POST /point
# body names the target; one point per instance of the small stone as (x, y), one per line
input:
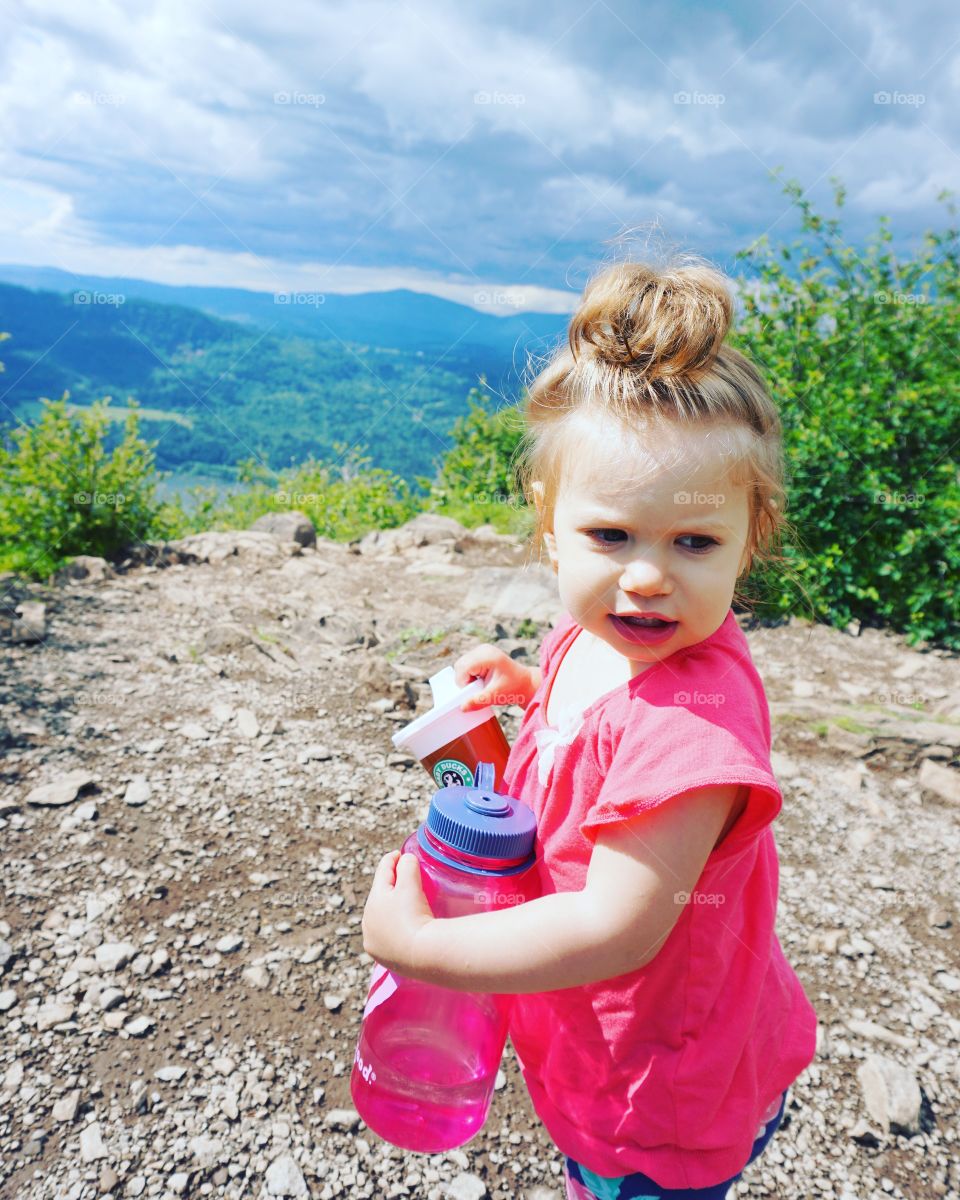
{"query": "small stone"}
(108, 1179)
(247, 723)
(169, 1074)
(60, 791)
(284, 1178)
(140, 1026)
(941, 781)
(136, 1186)
(113, 956)
(51, 1015)
(949, 983)
(314, 753)
(229, 943)
(333, 1003)
(179, 1183)
(224, 1065)
(139, 791)
(890, 1093)
(466, 1187)
(111, 997)
(8, 999)
(939, 918)
(311, 955)
(6, 954)
(229, 1107)
(206, 1150)
(65, 1110)
(194, 732)
(256, 977)
(342, 1118)
(91, 1144)
(501, 1081)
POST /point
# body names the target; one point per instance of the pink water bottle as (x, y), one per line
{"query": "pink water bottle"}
(427, 1057)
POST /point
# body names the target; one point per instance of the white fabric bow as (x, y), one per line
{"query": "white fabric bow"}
(549, 739)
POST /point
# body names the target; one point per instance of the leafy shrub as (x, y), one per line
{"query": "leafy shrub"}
(476, 484)
(344, 499)
(861, 353)
(63, 493)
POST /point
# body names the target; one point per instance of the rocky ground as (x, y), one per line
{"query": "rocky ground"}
(199, 779)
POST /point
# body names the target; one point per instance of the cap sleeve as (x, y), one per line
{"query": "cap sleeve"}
(664, 752)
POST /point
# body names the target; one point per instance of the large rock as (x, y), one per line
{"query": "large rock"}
(942, 781)
(63, 790)
(891, 1094)
(426, 529)
(515, 592)
(217, 546)
(87, 567)
(284, 1178)
(287, 527)
(32, 623)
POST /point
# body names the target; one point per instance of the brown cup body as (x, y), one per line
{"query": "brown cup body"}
(456, 761)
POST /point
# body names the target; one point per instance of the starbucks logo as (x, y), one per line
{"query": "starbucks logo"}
(450, 772)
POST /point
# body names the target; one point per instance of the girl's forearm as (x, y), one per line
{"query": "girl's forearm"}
(555, 941)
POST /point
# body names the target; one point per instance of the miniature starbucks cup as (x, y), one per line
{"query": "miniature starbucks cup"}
(449, 743)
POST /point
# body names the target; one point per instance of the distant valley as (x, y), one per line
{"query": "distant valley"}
(223, 375)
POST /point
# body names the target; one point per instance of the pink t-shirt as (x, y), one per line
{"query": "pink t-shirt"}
(672, 1068)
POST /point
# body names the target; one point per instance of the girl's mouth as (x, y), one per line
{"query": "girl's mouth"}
(643, 631)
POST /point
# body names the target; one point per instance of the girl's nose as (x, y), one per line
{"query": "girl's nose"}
(644, 575)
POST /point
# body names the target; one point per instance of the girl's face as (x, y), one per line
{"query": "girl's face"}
(649, 526)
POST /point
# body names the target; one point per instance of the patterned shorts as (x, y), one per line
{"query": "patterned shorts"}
(583, 1184)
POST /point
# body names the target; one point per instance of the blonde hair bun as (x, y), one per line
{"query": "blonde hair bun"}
(659, 323)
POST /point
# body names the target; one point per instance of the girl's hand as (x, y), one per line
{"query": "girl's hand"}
(505, 680)
(396, 910)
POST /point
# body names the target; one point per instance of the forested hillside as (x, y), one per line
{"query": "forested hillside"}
(216, 392)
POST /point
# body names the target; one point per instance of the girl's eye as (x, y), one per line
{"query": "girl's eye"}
(700, 537)
(599, 535)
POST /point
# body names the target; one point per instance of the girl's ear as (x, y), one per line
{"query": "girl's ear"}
(548, 539)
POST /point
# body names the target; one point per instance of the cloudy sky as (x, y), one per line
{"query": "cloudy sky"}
(489, 152)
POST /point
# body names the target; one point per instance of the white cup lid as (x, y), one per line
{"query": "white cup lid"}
(445, 720)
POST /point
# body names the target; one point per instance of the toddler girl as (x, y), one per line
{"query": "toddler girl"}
(656, 1021)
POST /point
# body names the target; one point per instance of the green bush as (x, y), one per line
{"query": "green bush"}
(861, 354)
(344, 499)
(476, 484)
(62, 493)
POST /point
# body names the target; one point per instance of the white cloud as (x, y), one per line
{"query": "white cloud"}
(151, 134)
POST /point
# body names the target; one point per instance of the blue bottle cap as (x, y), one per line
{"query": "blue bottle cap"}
(482, 822)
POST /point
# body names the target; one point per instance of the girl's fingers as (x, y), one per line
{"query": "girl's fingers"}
(386, 865)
